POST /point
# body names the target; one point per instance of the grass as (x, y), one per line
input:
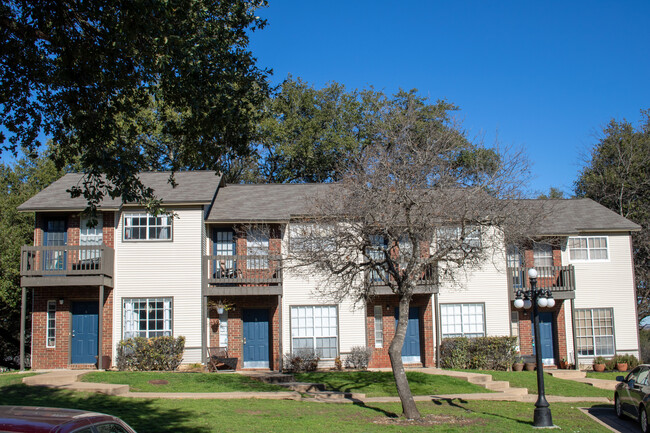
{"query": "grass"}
(139, 381)
(10, 378)
(206, 416)
(552, 385)
(382, 384)
(608, 375)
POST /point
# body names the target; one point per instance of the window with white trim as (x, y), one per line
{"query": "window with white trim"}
(315, 328)
(453, 237)
(377, 253)
(595, 331)
(147, 317)
(51, 324)
(543, 259)
(379, 327)
(462, 320)
(588, 248)
(304, 237)
(141, 226)
(223, 329)
(257, 246)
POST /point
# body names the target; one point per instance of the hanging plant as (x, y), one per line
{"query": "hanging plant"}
(220, 306)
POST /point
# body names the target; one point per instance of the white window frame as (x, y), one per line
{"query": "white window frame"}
(162, 222)
(450, 237)
(223, 329)
(379, 326)
(305, 237)
(50, 333)
(589, 250)
(591, 327)
(304, 326)
(465, 320)
(131, 317)
(257, 244)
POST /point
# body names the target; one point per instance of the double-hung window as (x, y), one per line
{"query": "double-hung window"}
(315, 327)
(595, 331)
(257, 248)
(147, 317)
(462, 320)
(458, 238)
(543, 259)
(312, 237)
(588, 248)
(379, 326)
(142, 226)
(51, 324)
(376, 252)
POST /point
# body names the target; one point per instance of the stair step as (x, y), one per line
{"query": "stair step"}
(303, 386)
(273, 378)
(497, 385)
(336, 395)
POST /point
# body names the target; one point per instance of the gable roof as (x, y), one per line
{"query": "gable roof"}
(193, 187)
(263, 202)
(578, 216)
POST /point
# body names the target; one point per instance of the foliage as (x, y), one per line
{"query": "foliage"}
(358, 358)
(124, 86)
(553, 194)
(17, 184)
(617, 175)
(644, 343)
(418, 179)
(300, 361)
(481, 353)
(147, 354)
(600, 360)
(629, 359)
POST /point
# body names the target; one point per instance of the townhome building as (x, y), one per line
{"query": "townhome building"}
(135, 274)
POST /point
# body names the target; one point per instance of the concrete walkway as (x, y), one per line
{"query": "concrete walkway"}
(69, 380)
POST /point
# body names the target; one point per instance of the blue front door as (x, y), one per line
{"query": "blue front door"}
(411, 348)
(256, 338)
(85, 320)
(546, 334)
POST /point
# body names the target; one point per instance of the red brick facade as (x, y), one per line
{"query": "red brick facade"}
(236, 326)
(380, 357)
(42, 356)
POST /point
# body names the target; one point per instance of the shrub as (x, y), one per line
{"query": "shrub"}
(482, 353)
(600, 360)
(149, 354)
(358, 358)
(631, 360)
(301, 361)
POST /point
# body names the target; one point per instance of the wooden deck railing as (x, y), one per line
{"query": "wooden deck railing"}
(234, 270)
(66, 261)
(560, 279)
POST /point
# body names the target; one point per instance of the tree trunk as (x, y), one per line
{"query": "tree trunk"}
(395, 354)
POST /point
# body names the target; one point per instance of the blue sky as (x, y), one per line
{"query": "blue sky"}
(545, 76)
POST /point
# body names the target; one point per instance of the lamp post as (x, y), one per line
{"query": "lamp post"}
(543, 298)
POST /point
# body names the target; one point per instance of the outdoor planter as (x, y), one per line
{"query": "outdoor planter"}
(599, 367)
(518, 366)
(564, 365)
(530, 366)
(621, 366)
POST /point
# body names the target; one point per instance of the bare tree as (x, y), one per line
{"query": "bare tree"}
(418, 205)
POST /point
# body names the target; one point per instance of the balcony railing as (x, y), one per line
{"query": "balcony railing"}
(73, 261)
(243, 270)
(427, 283)
(560, 279)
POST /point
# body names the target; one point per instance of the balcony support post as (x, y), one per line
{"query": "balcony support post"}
(576, 366)
(23, 307)
(100, 333)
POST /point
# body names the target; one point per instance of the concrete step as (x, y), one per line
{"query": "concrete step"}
(303, 386)
(567, 374)
(599, 383)
(496, 385)
(55, 378)
(516, 391)
(336, 395)
(274, 378)
(100, 388)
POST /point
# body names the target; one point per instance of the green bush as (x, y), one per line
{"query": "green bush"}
(481, 353)
(358, 358)
(301, 361)
(150, 354)
(631, 360)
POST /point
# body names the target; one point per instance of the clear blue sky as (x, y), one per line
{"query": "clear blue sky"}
(545, 76)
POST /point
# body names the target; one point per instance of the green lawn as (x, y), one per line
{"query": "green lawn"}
(280, 416)
(552, 385)
(181, 382)
(608, 375)
(7, 379)
(381, 384)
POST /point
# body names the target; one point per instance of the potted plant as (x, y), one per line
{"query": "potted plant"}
(599, 364)
(621, 363)
(564, 364)
(518, 365)
(530, 366)
(220, 306)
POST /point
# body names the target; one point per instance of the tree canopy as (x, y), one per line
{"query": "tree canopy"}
(617, 175)
(86, 74)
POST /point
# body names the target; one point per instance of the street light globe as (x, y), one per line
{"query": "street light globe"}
(527, 304)
(519, 303)
(550, 303)
(532, 273)
(542, 302)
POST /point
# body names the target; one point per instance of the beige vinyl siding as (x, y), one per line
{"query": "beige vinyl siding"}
(609, 284)
(300, 289)
(164, 269)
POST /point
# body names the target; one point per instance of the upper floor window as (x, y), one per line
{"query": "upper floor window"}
(142, 226)
(257, 248)
(311, 237)
(588, 248)
(543, 255)
(453, 237)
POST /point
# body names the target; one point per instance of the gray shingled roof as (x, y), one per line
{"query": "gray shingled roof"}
(574, 216)
(193, 187)
(267, 202)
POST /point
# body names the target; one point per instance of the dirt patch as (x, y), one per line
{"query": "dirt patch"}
(158, 382)
(428, 420)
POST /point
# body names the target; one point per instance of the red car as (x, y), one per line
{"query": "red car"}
(26, 419)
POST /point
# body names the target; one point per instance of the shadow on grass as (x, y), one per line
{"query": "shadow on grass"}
(143, 415)
(384, 412)
(363, 381)
(452, 403)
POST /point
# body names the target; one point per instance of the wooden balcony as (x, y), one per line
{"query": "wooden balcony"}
(238, 275)
(426, 284)
(560, 279)
(69, 265)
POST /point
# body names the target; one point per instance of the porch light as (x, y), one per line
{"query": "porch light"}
(543, 298)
